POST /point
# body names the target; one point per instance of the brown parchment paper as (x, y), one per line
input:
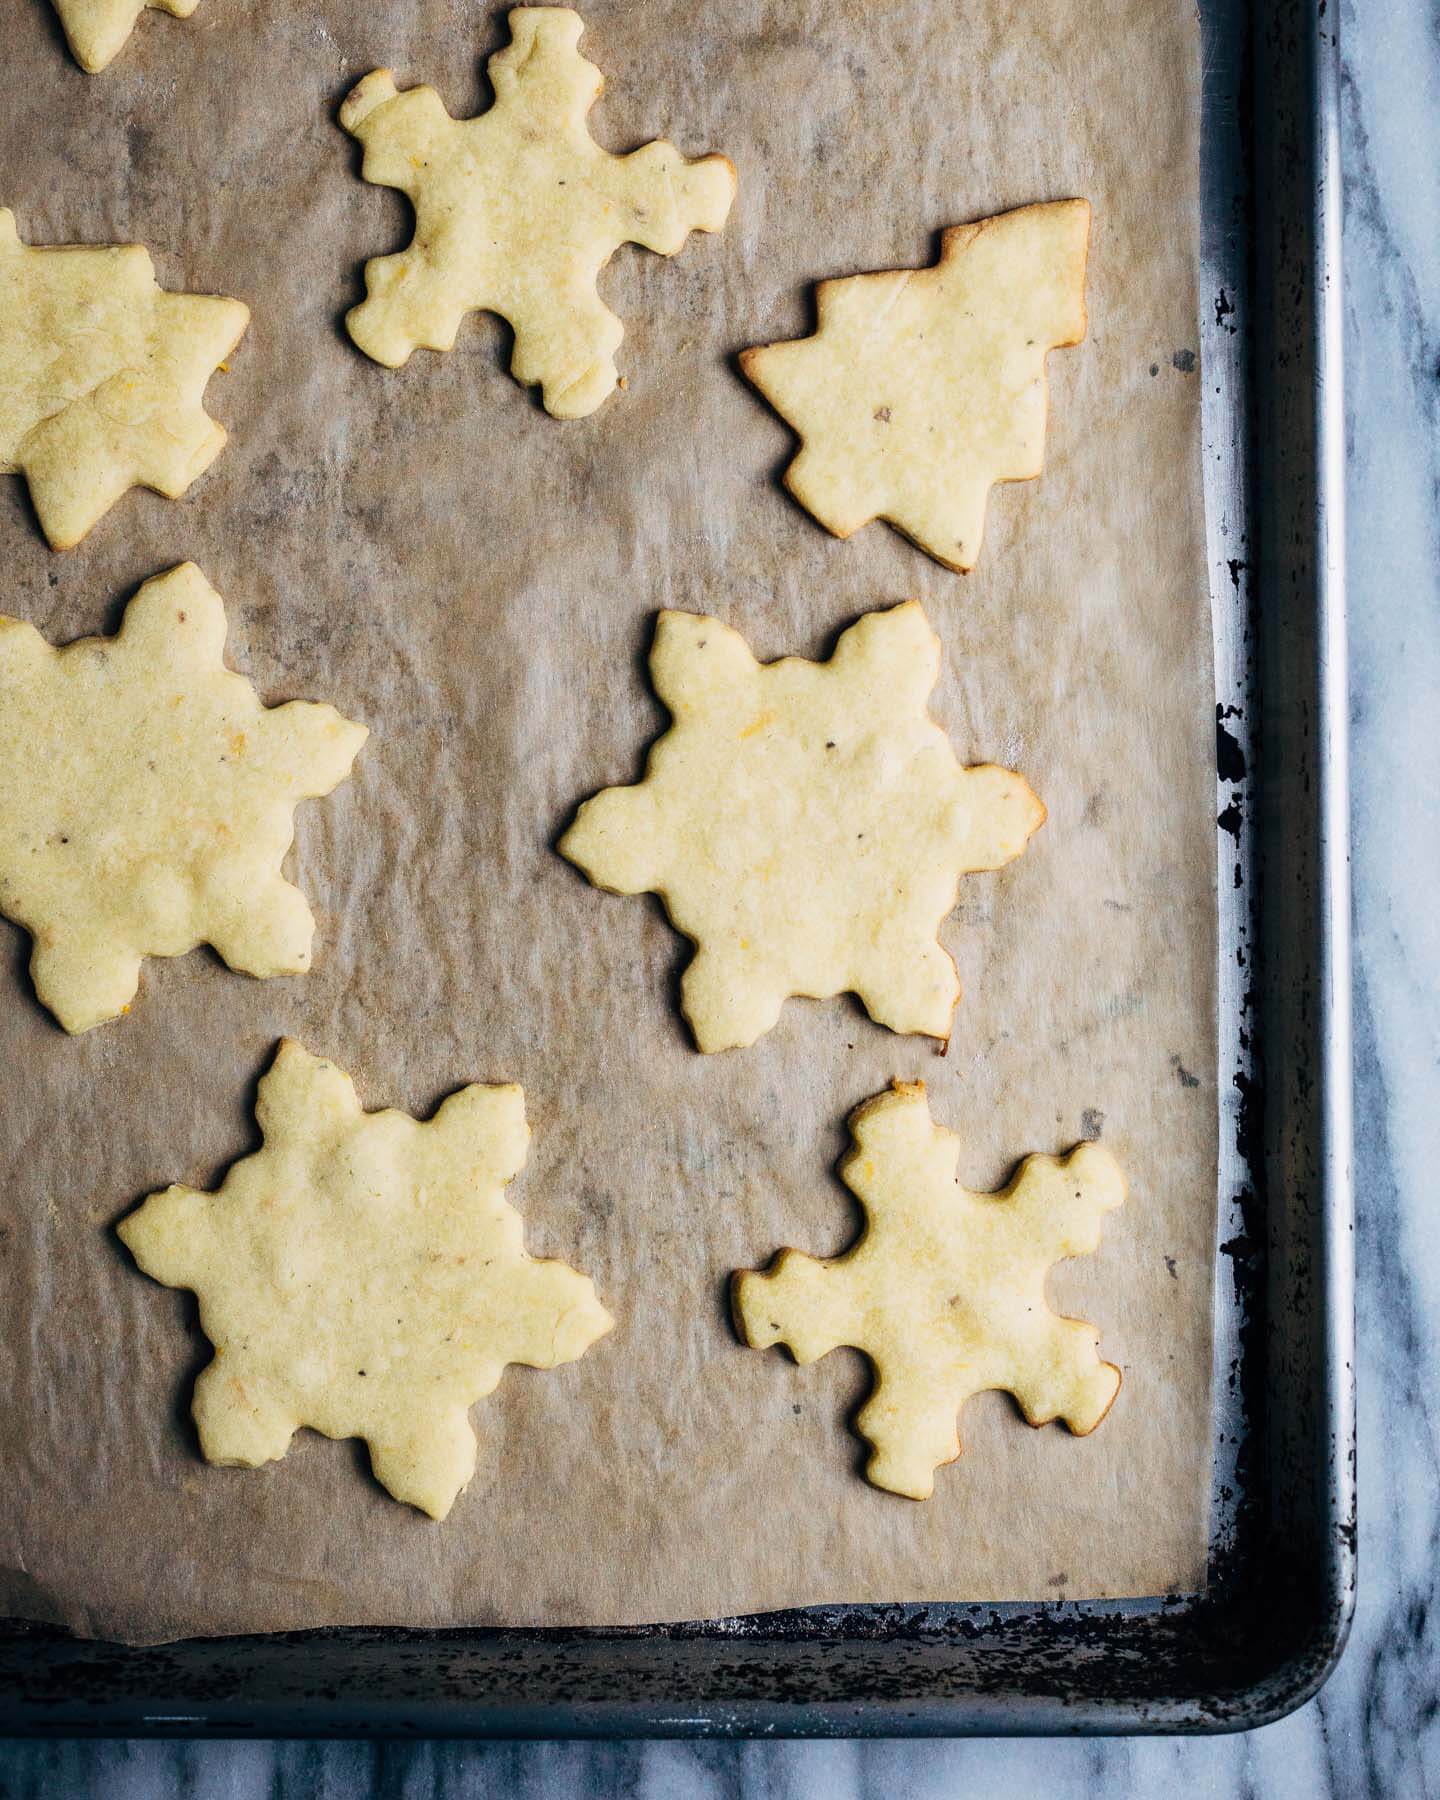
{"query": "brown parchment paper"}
(430, 552)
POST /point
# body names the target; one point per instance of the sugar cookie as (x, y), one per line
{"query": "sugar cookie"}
(806, 825)
(102, 378)
(147, 800)
(923, 387)
(363, 1274)
(517, 212)
(945, 1290)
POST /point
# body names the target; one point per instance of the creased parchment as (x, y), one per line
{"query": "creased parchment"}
(476, 581)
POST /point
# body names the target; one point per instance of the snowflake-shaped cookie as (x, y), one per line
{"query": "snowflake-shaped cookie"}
(102, 378)
(518, 210)
(923, 387)
(945, 1290)
(363, 1274)
(147, 800)
(806, 825)
(97, 29)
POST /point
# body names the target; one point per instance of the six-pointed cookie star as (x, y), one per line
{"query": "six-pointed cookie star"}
(102, 378)
(945, 1290)
(147, 800)
(923, 387)
(97, 29)
(363, 1274)
(806, 825)
(518, 210)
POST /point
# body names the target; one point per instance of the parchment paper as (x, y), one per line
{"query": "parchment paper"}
(433, 554)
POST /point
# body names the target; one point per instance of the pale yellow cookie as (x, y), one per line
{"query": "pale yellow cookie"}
(363, 1274)
(97, 29)
(923, 387)
(102, 378)
(945, 1289)
(147, 800)
(806, 825)
(518, 210)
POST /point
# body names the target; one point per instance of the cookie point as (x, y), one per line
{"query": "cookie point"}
(371, 91)
(1095, 1165)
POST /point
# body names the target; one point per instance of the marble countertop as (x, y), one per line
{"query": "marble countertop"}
(1375, 1729)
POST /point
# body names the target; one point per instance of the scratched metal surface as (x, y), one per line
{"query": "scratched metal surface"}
(1282, 1558)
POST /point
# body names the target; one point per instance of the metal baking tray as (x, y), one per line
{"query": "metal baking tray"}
(1282, 1562)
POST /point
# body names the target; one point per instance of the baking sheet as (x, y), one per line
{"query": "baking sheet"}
(429, 551)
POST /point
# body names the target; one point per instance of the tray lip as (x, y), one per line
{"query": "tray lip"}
(1270, 1695)
(1276, 1690)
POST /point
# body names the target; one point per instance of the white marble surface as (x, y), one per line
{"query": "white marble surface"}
(1376, 1728)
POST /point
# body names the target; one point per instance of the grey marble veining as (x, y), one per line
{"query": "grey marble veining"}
(1376, 1728)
